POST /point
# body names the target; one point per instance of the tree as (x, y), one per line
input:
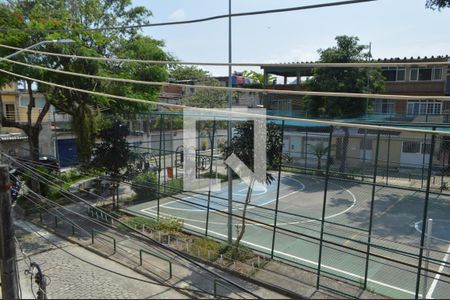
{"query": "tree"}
(242, 145)
(180, 72)
(437, 4)
(319, 150)
(75, 17)
(112, 156)
(352, 80)
(257, 77)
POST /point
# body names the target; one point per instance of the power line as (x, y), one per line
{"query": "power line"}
(109, 270)
(174, 251)
(250, 64)
(217, 17)
(222, 112)
(249, 90)
(288, 231)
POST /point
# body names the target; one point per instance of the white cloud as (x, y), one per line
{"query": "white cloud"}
(178, 15)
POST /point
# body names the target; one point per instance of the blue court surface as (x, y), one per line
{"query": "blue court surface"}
(298, 221)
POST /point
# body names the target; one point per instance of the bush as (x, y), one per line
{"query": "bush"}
(164, 224)
(173, 186)
(243, 252)
(144, 185)
(203, 245)
(27, 205)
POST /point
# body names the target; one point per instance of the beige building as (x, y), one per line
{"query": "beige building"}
(15, 106)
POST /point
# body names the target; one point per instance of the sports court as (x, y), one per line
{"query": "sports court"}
(397, 215)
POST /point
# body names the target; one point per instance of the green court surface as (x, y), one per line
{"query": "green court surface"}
(397, 216)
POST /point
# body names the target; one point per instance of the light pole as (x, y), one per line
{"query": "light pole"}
(60, 41)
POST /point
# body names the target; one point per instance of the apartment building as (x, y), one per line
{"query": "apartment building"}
(406, 150)
(15, 107)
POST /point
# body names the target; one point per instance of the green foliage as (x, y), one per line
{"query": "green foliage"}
(27, 177)
(242, 145)
(242, 254)
(170, 225)
(170, 122)
(172, 187)
(27, 205)
(113, 153)
(438, 4)
(352, 80)
(75, 16)
(144, 185)
(207, 248)
(206, 98)
(180, 72)
(258, 77)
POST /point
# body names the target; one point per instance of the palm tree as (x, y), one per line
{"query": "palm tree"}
(319, 150)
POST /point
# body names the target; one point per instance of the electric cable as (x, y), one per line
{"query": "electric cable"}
(238, 89)
(243, 114)
(365, 64)
(242, 14)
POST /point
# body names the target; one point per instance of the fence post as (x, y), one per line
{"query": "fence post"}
(372, 202)
(278, 192)
(423, 159)
(425, 279)
(306, 150)
(161, 124)
(388, 158)
(210, 177)
(425, 214)
(322, 222)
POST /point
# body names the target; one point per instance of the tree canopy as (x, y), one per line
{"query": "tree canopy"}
(76, 17)
(438, 4)
(356, 80)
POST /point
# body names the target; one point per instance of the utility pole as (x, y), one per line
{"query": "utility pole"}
(7, 244)
(230, 131)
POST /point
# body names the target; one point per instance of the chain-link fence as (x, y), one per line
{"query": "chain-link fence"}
(346, 202)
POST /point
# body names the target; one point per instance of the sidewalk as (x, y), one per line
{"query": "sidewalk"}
(79, 273)
(184, 273)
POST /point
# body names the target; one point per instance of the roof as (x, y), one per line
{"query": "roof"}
(292, 69)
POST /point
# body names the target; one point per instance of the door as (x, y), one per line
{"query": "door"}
(67, 152)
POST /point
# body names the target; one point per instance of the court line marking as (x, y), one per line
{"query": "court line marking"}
(438, 275)
(307, 261)
(146, 210)
(263, 204)
(416, 226)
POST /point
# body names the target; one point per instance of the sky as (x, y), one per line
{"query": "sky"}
(395, 28)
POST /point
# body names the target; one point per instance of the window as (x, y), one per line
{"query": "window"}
(425, 74)
(411, 147)
(10, 111)
(38, 102)
(382, 106)
(414, 74)
(394, 74)
(437, 73)
(424, 108)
